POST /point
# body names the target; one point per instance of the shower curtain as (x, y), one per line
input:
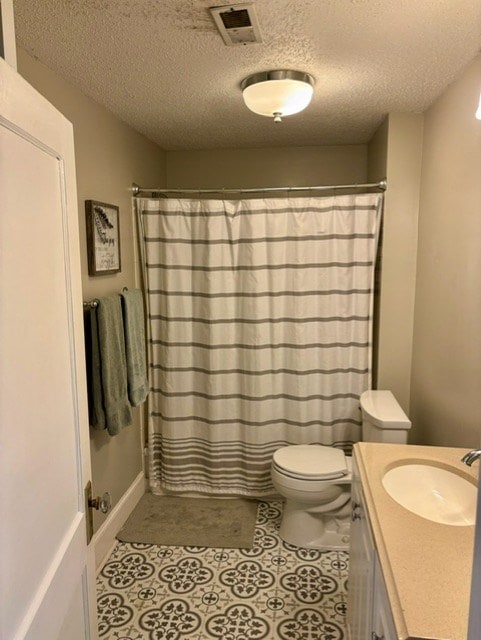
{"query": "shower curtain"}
(260, 316)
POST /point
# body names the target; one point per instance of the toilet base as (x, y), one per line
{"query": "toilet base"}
(304, 527)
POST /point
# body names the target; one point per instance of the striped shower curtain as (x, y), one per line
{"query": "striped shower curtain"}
(260, 318)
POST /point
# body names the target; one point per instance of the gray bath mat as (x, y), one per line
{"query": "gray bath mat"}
(192, 522)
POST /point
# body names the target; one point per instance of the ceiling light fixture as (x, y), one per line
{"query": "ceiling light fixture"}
(277, 93)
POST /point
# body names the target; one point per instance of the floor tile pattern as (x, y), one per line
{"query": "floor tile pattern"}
(274, 590)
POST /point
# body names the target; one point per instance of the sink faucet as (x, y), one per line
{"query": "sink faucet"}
(471, 456)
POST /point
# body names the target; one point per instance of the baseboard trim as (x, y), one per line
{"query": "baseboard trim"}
(104, 539)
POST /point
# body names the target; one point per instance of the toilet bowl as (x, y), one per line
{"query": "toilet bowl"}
(315, 480)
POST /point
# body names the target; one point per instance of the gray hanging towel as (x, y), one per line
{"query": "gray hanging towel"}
(118, 413)
(94, 375)
(134, 326)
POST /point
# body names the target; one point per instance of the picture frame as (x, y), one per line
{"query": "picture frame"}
(103, 238)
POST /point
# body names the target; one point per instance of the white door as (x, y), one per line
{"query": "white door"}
(46, 569)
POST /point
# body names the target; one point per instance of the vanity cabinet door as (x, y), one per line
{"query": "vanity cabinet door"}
(382, 622)
(361, 569)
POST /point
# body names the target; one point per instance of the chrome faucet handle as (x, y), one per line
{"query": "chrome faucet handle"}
(471, 456)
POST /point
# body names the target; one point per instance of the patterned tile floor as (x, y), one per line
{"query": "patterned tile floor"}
(274, 590)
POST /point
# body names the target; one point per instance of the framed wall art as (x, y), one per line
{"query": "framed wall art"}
(103, 238)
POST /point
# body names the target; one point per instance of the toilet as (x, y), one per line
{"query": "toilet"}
(315, 480)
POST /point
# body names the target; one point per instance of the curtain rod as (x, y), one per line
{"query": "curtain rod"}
(382, 185)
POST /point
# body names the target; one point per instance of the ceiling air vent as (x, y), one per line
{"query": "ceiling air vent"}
(237, 24)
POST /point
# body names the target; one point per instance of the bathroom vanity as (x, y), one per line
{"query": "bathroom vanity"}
(369, 611)
(409, 576)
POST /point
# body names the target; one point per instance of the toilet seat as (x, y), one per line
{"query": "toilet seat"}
(310, 462)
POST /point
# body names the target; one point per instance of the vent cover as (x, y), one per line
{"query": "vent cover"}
(237, 24)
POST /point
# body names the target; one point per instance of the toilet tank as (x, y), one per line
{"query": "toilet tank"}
(383, 420)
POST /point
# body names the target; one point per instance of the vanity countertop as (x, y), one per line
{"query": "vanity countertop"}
(426, 565)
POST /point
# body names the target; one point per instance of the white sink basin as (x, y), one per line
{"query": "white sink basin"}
(433, 493)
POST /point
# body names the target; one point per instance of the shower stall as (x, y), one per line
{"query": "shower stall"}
(260, 331)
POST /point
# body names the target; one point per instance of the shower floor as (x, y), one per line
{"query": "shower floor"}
(274, 590)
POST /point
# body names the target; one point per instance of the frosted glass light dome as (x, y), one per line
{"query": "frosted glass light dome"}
(277, 93)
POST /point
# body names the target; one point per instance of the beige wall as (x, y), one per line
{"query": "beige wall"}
(446, 374)
(109, 157)
(377, 171)
(377, 153)
(397, 150)
(283, 166)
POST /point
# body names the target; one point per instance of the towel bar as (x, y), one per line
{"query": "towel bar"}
(91, 304)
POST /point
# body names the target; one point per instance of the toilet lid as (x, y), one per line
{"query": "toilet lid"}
(311, 462)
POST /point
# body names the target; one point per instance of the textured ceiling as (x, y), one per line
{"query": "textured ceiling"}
(163, 68)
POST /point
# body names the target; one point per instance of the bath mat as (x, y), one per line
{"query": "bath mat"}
(192, 522)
